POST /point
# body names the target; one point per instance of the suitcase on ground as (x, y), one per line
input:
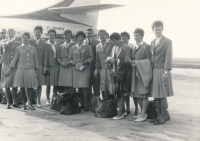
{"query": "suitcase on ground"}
(94, 103)
(70, 104)
(106, 108)
(56, 102)
(151, 110)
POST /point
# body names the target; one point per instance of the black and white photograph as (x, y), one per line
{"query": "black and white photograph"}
(99, 70)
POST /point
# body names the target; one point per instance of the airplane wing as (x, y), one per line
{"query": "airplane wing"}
(83, 9)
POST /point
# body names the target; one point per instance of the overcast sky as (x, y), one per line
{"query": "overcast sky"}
(181, 19)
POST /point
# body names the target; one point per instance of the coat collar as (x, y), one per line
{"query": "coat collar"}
(162, 40)
(25, 47)
(66, 44)
(55, 43)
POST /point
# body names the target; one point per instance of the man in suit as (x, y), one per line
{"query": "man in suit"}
(95, 81)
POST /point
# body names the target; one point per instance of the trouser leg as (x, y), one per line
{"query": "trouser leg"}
(48, 89)
(135, 100)
(158, 106)
(39, 91)
(23, 94)
(29, 95)
(164, 106)
(14, 94)
(86, 98)
(145, 104)
(8, 95)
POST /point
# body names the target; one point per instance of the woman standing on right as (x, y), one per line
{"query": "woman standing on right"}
(161, 85)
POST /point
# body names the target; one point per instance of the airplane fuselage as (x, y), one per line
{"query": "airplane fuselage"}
(22, 25)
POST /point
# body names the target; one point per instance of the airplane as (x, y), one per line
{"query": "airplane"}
(75, 15)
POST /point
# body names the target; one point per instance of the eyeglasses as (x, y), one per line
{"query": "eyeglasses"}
(2, 32)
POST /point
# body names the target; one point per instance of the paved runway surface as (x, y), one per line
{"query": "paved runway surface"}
(47, 125)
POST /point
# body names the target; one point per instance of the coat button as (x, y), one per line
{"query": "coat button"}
(28, 54)
(28, 63)
(28, 59)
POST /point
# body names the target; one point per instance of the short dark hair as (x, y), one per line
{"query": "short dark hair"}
(89, 29)
(139, 31)
(67, 31)
(102, 30)
(115, 36)
(26, 34)
(80, 33)
(157, 24)
(51, 30)
(38, 27)
(125, 34)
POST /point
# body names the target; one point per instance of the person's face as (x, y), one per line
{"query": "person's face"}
(158, 31)
(52, 36)
(67, 36)
(11, 34)
(102, 36)
(114, 41)
(80, 39)
(25, 39)
(38, 34)
(3, 35)
(138, 38)
(89, 34)
(125, 39)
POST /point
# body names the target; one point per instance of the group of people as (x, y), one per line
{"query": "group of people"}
(109, 66)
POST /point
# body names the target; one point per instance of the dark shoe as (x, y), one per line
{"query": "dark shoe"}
(86, 109)
(7, 106)
(31, 107)
(16, 105)
(158, 122)
(152, 121)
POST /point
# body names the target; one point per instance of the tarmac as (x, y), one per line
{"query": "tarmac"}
(45, 124)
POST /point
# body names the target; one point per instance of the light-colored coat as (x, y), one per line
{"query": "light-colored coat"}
(162, 54)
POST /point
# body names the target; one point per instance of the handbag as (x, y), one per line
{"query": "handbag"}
(94, 103)
(70, 104)
(151, 110)
(56, 102)
(106, 108)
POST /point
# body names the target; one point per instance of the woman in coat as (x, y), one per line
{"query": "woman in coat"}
(52, 65)
(103, 51)
(7, 78)
(40, 46)
(161, 85)
(121, 54)
(140, 56)
(65, 72)
(26, 60)
(81, 57)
